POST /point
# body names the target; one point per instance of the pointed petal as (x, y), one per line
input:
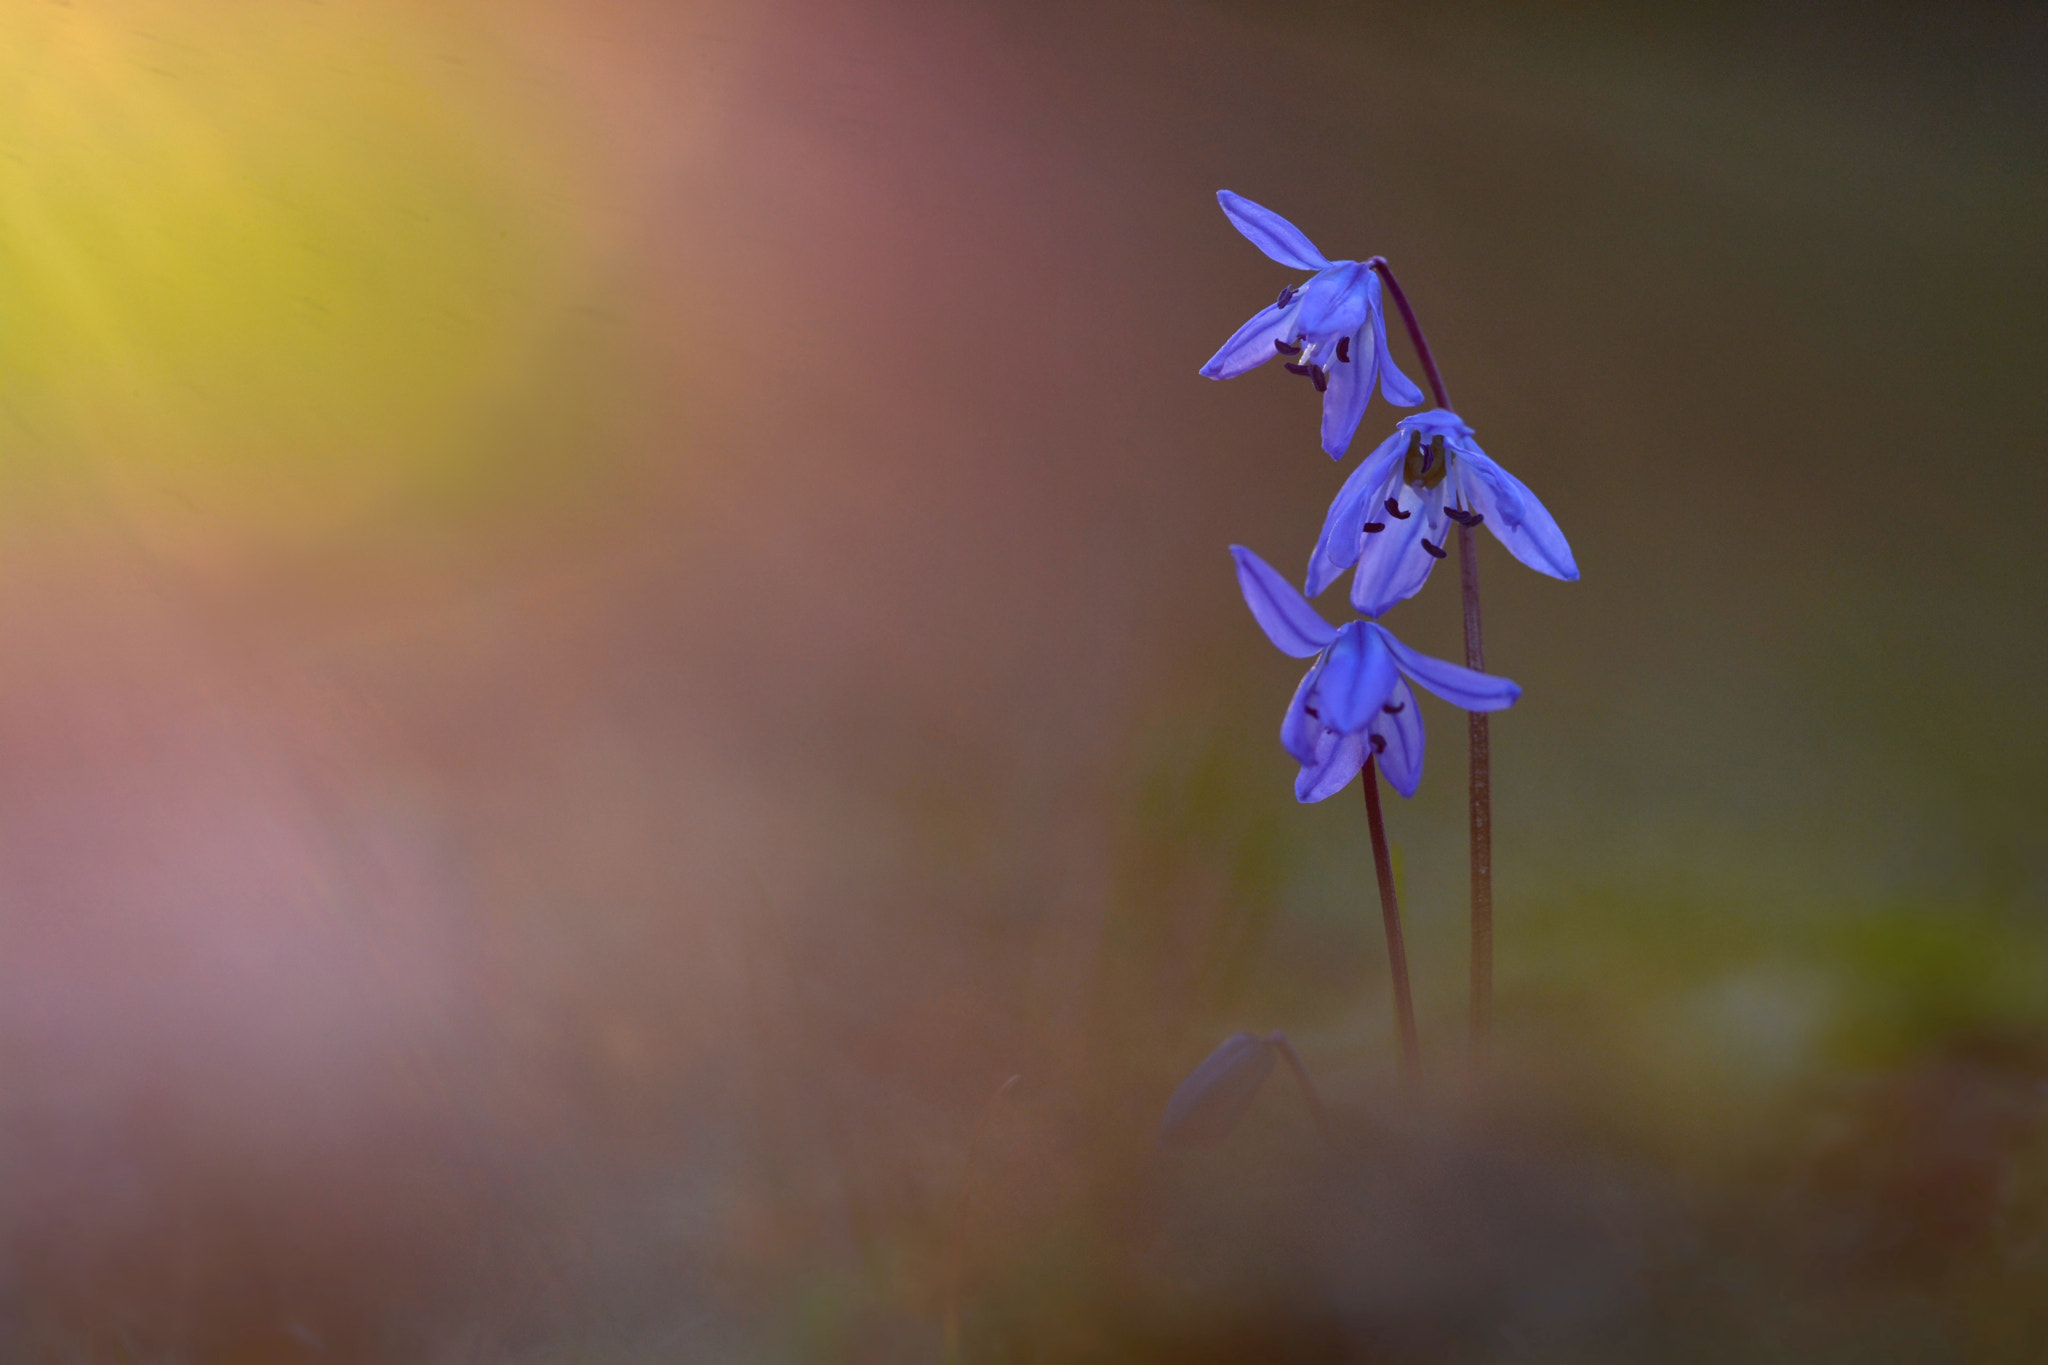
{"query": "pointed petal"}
(1514, 515)
(1395, 387)
(1344, 402)
(1456, 684)
(1337, 548)
(1401, 760)
(1209, 1103)
(1252, 344)
(1323, 569)
(1393, 566)
(1301, 734)
(1335, 303)
(1271, 233)
(1358, 673)
(1336, 765)
(1293, 625)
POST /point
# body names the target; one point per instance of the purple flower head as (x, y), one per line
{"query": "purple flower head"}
(1330, 329)
(1355, 697)
(1391, 516)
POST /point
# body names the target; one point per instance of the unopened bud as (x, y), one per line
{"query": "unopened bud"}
(1209, 1103)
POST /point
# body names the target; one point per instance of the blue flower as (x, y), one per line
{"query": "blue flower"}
(1391, 515)
(1330, 329)
(1354, 698)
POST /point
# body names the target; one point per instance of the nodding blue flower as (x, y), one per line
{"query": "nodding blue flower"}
(1331, 329)
(1391, 516)
(1355, 699)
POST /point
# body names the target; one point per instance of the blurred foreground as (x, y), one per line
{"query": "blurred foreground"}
(614, 613)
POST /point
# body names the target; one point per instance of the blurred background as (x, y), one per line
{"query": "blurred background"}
(612, 613)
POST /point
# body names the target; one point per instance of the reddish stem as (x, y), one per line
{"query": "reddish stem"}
(1429, 371)
(1397, 950)
(1481, 790)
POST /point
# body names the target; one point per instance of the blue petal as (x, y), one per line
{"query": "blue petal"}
(1301, 734)
(1335, 303)
(1293, 625)
(1401, 760)
(1358, 674)
(1336, 765)
(1514, 515)
(1337, 548)
(1271, 233)
(1456, 684)
(1440, 422)
(1397, 388)
(1344, 402)
(1393, 566)
(1252, 344)
(1209, 1103)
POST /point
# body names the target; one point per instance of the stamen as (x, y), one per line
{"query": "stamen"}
(1286, 293)
(1394, 511)
(1464, 518)
(1372, 526)
(1296, 367)
(1379, 743)
(1344, 349)
(1433, 550)
(1284, 349)
(1321, 376)
(1394, 708)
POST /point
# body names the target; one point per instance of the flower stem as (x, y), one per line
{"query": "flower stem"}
(1397, 950)
(1436, 381)
(1482, 804)
(1479, 734)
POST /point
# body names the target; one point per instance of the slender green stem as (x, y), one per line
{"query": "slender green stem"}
(1478, 732)
(1397, 949)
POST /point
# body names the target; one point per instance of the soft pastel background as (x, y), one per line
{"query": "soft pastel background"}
(612, 612)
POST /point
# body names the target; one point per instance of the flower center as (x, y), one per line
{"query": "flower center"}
(1425, 466)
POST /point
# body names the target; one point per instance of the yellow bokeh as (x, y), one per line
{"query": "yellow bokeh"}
(263, 265)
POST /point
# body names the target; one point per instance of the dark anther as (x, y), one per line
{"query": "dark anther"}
(1296, 367)
(1435, 553)
(1311, 713)
(1462, 517)
(1284, 349)
(1371, 526)
(1344, 349)
(1394, 511)
(1394, 708)
(1321, 376)
(1286, 293)
(1379, 743)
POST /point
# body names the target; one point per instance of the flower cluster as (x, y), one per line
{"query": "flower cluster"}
(1389, 522)
(1355, 711)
